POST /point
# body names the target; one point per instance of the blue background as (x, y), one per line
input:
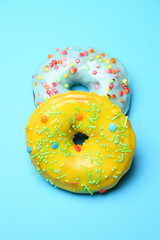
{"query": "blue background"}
(30, 208)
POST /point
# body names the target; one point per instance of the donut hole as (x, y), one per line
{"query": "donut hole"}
(79, 138)
(78, 87)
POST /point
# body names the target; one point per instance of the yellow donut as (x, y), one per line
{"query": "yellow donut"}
(103, 158)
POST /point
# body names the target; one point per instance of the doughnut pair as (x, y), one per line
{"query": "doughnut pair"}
(108, 139)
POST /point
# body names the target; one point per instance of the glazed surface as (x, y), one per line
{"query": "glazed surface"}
(89, 67)
(103, 158)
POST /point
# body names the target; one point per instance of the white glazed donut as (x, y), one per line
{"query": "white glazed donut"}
(89, 67)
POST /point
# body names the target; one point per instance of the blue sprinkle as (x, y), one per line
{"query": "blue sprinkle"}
(112, 127)
(29, 149)
(55, 145)
(106, 176)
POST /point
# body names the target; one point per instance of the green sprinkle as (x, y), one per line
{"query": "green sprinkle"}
(118, 115)
(89, 174)
(59, 110)
(77, 108)
(64, 150)
(63, 176)
(44, 153)
(74, 117)
(68, 118)
(90, 119)
(90, 58)
(64, 134)
(126, 121)
(88, 189)
(91, 127)
(34, 155)
(50, 107)
(55, 171)
(53, 114)
(99, 173)
(125, 135)
(66, 85)
(106, 107)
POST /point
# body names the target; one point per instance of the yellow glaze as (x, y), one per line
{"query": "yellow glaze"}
(103, 158)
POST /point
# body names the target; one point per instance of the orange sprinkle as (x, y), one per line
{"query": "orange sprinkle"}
(47, 87)
(79, 116)
(38, 103)
(103, 54)
(113, 60)
(27, 129)
(46, 66)
(35, 83)
(60, 62)
(57, 49)
(121, 100)
(91, 50)
(113, 71)
(113, 96)
(67, 48)
(49, 55)
(126, 91)
(44, 119)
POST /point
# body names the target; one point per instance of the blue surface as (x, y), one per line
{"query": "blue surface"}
(30, 208)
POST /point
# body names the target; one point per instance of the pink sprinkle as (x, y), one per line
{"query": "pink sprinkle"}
(106, 71)
(52, 88)
(109, 70)
(98, 66)
(44, 84)
(73, 182)
(129, 90)
(115, 75)
(74, 70)
(77, 60)
(96, 86)
(33, 76)
(81, 54)
(69, 69)
(54, 84)
(54, 61)
(56, 67)
(51, 64)
(102, 191)
(117, 70)
(64, 58)
(55, 90)
(86, 53)
(65, 52)
(48, 91)
(56, 93)
(61, 52)
(94, 72)
(111, 85)
(63, 64)
(121, 93)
